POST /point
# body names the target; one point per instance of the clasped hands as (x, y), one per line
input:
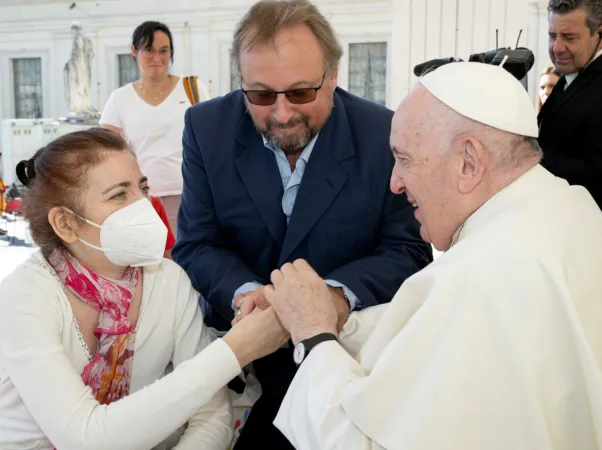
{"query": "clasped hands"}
(298, 304)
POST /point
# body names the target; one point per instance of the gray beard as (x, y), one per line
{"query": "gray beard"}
(290, 144)
(293, 146)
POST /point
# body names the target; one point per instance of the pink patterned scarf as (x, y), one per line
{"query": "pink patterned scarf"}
(109, 372)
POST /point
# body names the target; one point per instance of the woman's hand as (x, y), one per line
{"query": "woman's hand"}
(259, 335)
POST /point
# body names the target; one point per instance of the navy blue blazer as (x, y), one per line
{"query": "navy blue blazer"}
(346, 222)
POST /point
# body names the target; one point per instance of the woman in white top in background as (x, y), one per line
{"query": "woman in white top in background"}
(149, 113)
(90, 324)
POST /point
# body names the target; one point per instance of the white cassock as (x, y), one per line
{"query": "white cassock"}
(497, 345)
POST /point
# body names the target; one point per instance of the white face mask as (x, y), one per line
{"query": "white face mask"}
(132, 236)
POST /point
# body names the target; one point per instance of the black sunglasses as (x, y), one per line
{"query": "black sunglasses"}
(298, 96)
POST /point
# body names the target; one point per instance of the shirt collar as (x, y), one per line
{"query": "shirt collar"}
(571, 76)
(304, 155)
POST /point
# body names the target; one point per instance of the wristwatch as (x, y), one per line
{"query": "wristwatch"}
(303, 348)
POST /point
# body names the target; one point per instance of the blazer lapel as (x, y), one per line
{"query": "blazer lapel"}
(259, 173)
(575, 87)
(582, 81)
(322, 180)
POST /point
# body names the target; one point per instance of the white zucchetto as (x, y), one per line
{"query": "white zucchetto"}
(485, 93)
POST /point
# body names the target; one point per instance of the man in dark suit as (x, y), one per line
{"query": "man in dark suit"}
(290, 167)
(570, 121)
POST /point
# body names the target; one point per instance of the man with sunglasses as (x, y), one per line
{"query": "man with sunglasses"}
(290, 166)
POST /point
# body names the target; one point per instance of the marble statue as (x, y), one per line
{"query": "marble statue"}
(78, 75)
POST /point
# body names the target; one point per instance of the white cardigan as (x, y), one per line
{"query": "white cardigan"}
(44, 403)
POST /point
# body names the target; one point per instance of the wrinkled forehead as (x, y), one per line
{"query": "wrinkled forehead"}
(422, 124)
(413, 113)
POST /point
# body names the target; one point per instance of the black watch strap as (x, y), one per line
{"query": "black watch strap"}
(318, 339)
(310, 343)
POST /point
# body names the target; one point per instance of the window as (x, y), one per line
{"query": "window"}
(368, 71)
(128, 69)
(234, 76)
(27, 78)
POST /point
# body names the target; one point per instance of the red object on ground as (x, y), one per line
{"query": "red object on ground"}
(14, 205)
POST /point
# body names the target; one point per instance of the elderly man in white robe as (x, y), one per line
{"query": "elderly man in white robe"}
(497, 345)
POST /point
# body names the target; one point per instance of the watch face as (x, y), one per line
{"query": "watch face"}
(299, 353)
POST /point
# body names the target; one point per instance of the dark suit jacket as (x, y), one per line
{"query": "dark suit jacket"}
(346, 222)
(570, 130)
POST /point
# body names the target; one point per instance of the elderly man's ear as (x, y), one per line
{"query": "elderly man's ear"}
(474, 158)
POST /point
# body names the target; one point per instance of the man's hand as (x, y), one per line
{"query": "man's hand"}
(247, 302)
(302, 301)
(259, 335)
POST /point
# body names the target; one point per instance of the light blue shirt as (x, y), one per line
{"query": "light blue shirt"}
(291, 180)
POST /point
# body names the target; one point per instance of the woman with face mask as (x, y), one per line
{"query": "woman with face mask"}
(90, 324)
